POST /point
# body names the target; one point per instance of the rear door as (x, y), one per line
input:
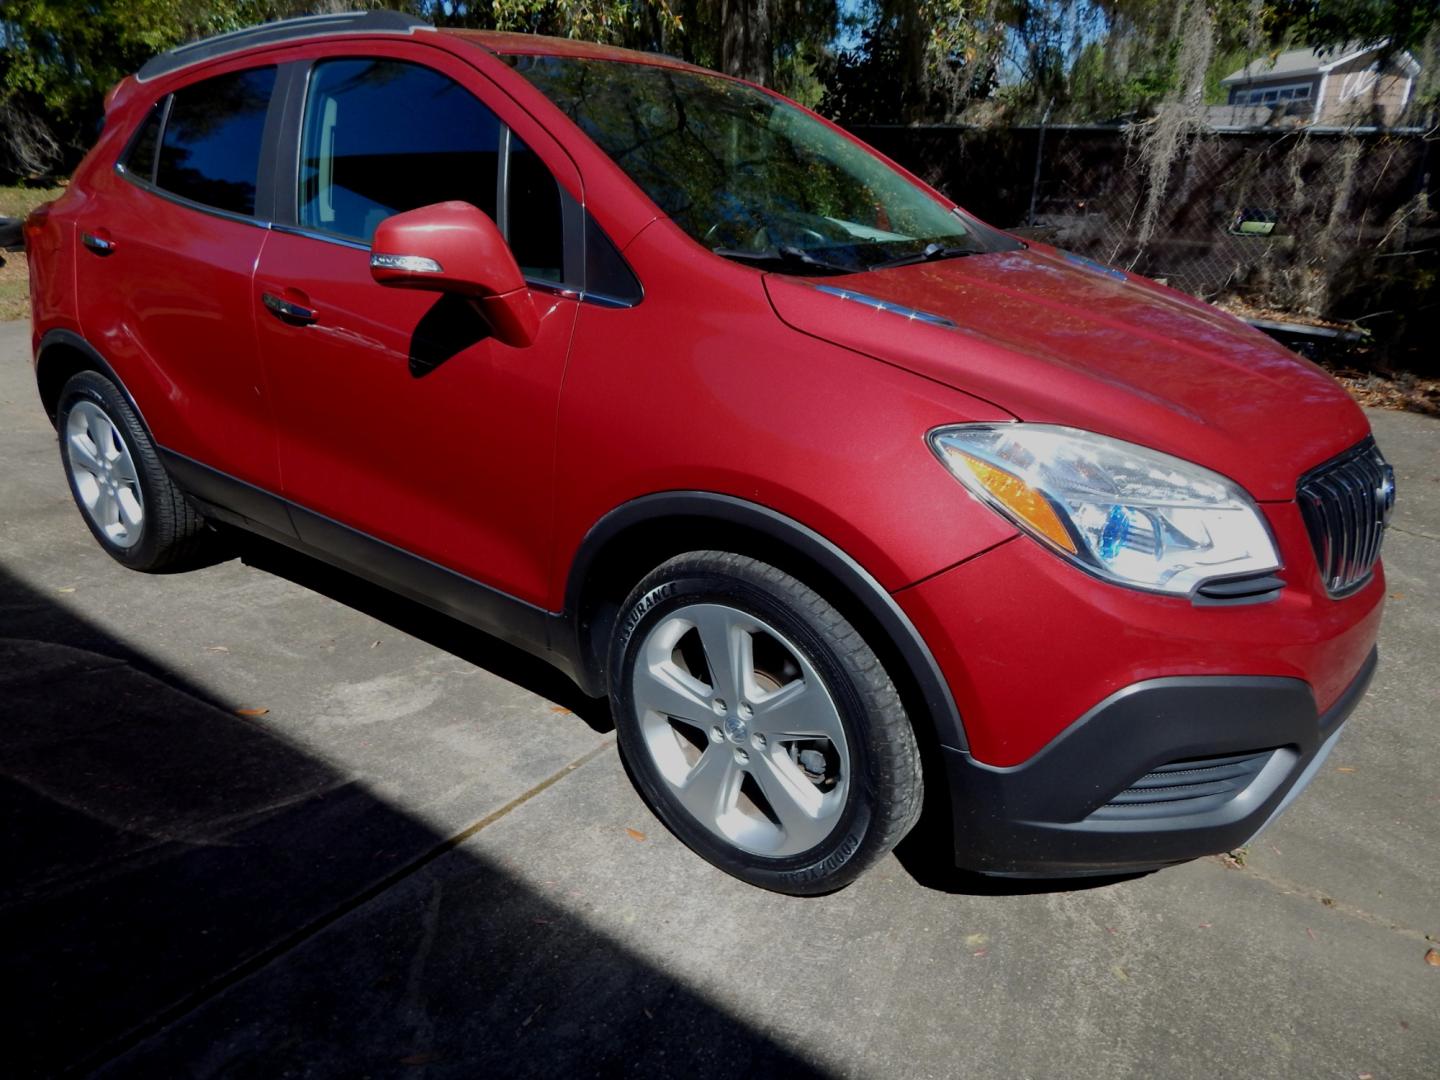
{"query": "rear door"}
(400, 417)
(168, 245)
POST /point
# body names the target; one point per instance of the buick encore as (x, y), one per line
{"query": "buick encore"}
(838, 494)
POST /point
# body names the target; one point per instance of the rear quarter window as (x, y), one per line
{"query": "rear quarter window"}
(210, 151)
(139, 159)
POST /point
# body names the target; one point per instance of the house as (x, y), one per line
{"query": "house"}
(1340, 86)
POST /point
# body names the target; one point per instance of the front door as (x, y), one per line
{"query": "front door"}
(399, 416)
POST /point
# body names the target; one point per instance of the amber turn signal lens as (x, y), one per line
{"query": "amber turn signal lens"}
(1022, 500)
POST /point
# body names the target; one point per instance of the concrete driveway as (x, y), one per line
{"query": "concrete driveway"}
(416, 854)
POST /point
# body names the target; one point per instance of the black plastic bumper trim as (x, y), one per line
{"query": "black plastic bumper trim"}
(1034, 819)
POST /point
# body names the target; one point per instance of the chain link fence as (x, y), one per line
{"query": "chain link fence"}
(1299, 223)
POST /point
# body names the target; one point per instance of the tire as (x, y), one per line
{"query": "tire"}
(132, 507)
(759, 726)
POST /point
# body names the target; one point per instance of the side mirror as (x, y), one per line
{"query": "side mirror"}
(452, 247)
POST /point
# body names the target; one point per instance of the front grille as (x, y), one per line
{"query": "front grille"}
(1346, 503)
(1188, 786)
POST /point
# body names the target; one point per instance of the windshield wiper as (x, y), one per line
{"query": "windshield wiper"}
(787, 257)
(930, 253)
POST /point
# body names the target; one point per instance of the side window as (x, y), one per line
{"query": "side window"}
(210, 152)
(139, 160)
(382, 137)
(607, 275)
(533, 221)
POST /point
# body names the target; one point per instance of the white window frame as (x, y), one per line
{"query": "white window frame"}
(1252, 89)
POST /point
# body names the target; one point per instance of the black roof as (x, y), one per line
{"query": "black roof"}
(364, 22)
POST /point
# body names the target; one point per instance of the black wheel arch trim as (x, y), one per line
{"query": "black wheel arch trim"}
(69, 339)
(862, 586)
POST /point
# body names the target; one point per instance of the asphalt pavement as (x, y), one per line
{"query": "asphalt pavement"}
(262, 820)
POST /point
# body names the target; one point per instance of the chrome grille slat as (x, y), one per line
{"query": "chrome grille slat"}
(1346, 504)
(1378, 479)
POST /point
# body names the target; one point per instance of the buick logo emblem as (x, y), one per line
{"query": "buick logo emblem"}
(1385, 495)
(735, 728)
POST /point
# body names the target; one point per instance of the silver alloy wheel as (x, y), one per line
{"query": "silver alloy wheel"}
(104, 474)
(753, 748)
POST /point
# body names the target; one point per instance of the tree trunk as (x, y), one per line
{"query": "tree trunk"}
(745, 39)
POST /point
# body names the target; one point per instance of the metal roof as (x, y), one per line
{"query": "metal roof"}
(1307, 61)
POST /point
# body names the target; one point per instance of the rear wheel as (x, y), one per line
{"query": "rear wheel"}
(760, 726)
(127, 499)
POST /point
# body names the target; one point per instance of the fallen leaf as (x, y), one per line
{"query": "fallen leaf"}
(251, 712)
(635, 834)
(1120, 973)
(1364, 1076)
(1397, 596)
(561, 709)
(216, 648)
(1345, 768)
(1327, 901)
(981, 952)
(1206, 925)
(976, 941)
(374, 644)
(1310, 933)
(1432, 957)
(67, 589)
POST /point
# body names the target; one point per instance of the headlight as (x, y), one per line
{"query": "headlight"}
(1132, 515)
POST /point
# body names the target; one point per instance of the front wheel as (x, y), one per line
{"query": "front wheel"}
(760, 726)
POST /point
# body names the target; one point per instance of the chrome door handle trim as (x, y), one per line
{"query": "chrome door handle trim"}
(286, 310)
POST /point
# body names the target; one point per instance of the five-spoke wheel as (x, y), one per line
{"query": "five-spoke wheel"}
(759, 724)
(132, 506)
(741, 727)
(103, 473)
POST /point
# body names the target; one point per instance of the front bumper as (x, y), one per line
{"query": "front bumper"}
(1162, 771)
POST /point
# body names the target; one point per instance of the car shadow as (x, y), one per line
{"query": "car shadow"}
(448, 328)
(927, 853)
(189, 894)
(415, 619)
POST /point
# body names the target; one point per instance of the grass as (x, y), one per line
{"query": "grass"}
(20, 200)
(14, 279)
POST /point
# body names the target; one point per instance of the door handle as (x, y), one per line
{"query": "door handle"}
(288, 310)
(100, 245)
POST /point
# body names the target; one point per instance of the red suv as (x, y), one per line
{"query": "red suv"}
(837, 493)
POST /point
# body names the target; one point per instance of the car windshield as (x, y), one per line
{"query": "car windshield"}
(750, 176)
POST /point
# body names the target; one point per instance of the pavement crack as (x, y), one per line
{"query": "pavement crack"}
(1411, 532)
(213, 832)
(265, 957)
(1329, 903)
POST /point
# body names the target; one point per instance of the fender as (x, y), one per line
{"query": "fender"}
(69, 339)
(701, 507)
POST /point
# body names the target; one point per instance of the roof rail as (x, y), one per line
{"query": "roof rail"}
(361, 22)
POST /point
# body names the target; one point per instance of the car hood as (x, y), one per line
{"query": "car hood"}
(1051, 337)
